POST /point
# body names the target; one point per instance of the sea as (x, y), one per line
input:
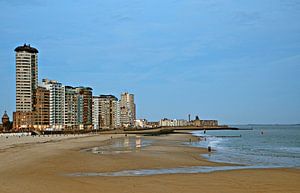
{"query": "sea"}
(253, 145)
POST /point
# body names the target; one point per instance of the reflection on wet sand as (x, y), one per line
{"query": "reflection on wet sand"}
(121, 145)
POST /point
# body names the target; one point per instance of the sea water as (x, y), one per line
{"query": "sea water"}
(254, 145)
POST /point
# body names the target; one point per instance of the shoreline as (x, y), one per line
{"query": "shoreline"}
(42, 167)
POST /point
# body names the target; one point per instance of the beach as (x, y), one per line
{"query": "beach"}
(46, 164)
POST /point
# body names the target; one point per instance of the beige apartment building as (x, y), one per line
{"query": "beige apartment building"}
(106, 112)
(127, 110)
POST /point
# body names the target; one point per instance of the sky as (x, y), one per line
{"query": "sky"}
(231, 60)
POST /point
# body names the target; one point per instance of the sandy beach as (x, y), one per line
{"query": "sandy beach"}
(42, 164)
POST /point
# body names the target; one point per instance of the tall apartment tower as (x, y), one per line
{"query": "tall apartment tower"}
(127, 109)
(26, 77)
(26, 85)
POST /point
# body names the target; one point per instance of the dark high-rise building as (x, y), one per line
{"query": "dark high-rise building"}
(85, 104)
(71, 99)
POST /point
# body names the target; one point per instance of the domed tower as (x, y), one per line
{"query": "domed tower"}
(5, 121)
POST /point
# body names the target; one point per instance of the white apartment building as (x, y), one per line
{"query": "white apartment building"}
(173, 123)
(56, 103)
(141, 123)
(96, 112)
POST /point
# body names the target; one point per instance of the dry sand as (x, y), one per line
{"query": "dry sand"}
(39, 165)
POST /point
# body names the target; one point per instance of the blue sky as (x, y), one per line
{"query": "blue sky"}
(235, 61)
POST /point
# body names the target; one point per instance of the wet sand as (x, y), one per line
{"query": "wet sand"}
(35, 165)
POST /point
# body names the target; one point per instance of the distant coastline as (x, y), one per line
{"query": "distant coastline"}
(274, 124)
